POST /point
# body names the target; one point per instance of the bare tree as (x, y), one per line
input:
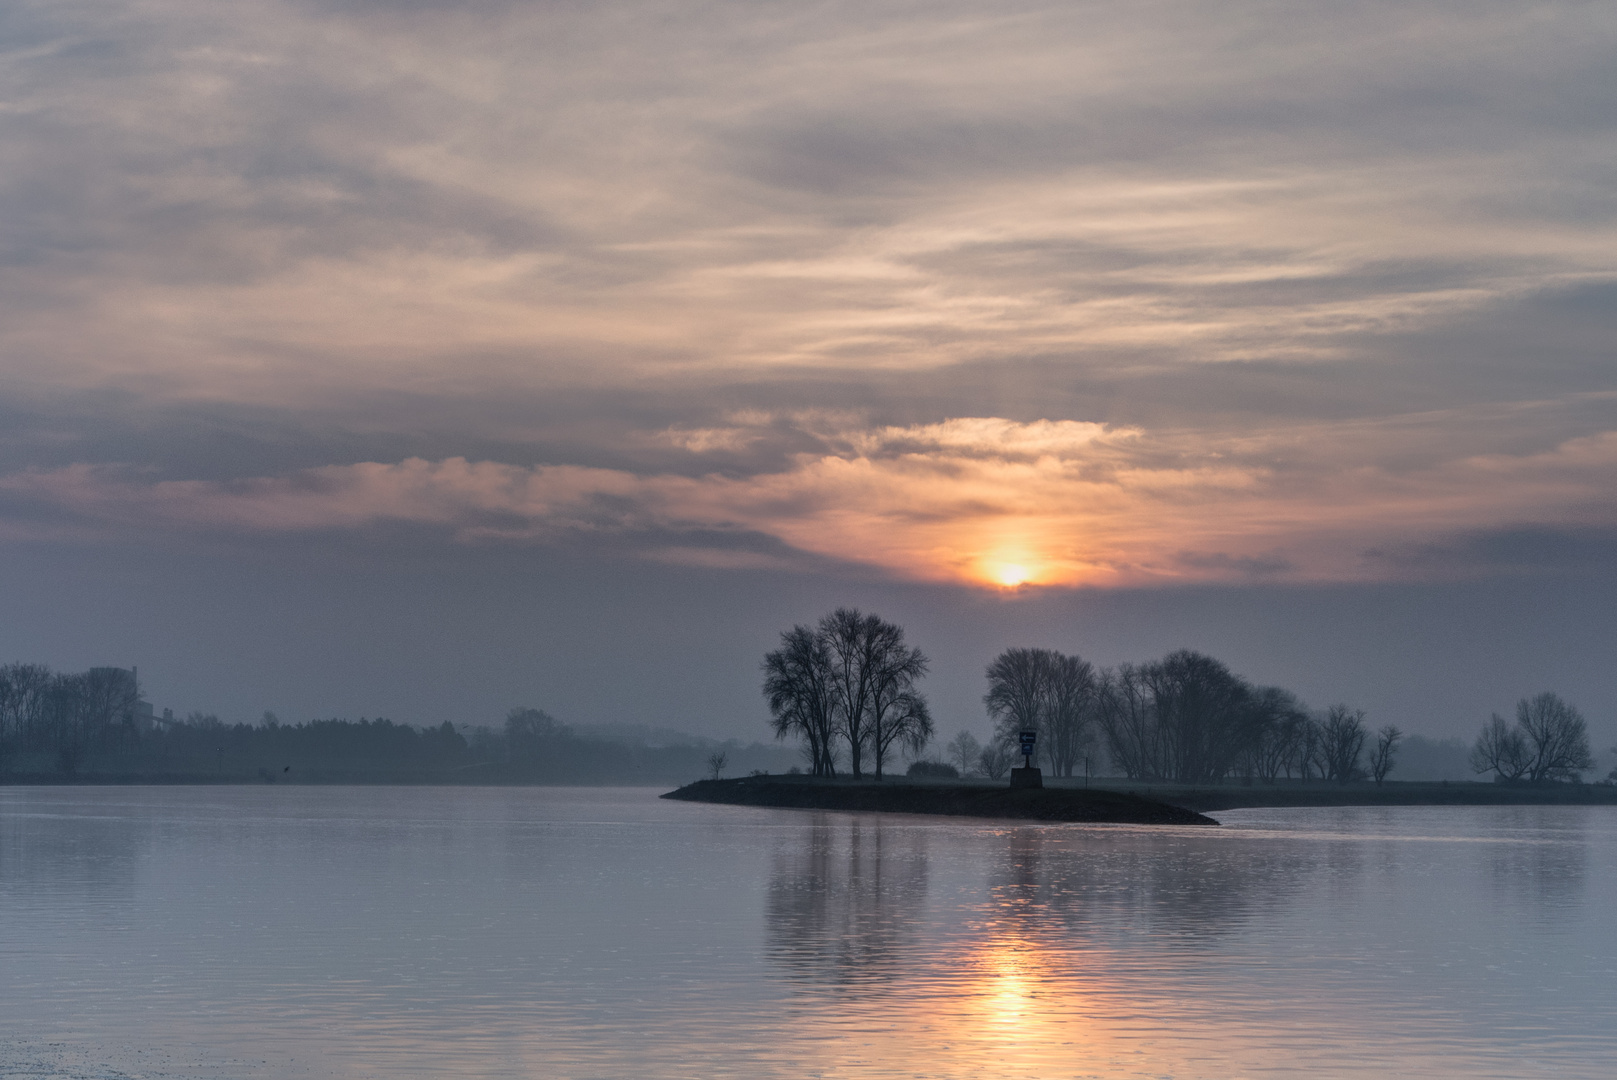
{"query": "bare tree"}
(853, 678)
(898, 712)
(1044, 691)
(66, 721)
(1549, 741)
(1188, 718)
(963, 751)
(1018, 690)
(70, 714)
(905, 721)
(1308, 751)
(110, 695)
(857, 643)
(1070, 704)
(1128, 720)
(23, 689)
(1386, 748)
(1502, 750)
(716, 763)
(1342, 738)
(798, 686)
(995, 759)
(1204, 716)
(1282, 719)
(1557, 738)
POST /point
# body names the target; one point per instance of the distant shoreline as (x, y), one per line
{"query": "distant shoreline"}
(309, 778)
(1239, 796)
(1095, 806)
(1233, 795)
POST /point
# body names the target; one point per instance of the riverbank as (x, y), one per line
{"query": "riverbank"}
(1237, 795)
(1096, 805)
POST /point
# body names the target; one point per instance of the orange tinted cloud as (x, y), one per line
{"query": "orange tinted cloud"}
(981, 500)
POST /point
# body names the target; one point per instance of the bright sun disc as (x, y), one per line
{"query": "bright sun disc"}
(1010, 574)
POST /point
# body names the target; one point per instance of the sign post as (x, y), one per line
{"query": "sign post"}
(1027, 775)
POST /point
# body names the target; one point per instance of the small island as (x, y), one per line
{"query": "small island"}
(1090, 806)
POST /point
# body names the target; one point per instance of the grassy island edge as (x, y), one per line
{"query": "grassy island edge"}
(1075, 805)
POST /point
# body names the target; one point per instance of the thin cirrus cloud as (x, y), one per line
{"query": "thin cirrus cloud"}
(984, 500)
(1233, 258)
(296, 197)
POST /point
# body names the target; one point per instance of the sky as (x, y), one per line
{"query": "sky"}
(426, 359)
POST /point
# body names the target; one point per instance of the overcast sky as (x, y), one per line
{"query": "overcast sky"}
(427, 359)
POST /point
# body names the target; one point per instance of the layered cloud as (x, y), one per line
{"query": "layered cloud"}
(289, 200)
(1057, 292)
(980, 500)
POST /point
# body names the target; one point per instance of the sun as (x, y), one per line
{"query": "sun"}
(1011, 575)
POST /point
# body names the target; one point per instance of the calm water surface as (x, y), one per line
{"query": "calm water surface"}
(528, 932)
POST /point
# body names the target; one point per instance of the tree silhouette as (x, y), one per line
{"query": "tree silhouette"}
(1382, 757)
(851, 678)
(1550, 741)
(1557, 736)
(797, 685)
(1044, 691)
(1342, 738)
(898, 712)
(963, 751)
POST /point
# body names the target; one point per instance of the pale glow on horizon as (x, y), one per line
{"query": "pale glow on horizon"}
(981, 501)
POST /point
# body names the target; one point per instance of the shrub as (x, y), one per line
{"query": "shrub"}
(933, 768)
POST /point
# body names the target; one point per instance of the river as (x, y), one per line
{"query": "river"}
(286, 931)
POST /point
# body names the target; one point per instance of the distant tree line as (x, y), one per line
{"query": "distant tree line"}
(90, 726)
(63, 716)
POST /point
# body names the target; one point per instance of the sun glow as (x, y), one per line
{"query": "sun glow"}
(1011, 575)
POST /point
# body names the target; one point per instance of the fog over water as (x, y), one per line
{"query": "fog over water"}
(380, 932)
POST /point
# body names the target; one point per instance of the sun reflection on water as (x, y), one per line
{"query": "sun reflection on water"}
(778, 945)
(1004, 982)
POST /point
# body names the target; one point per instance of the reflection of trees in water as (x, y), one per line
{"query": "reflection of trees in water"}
(1164, 885)
(1543, 863)
(845, 900)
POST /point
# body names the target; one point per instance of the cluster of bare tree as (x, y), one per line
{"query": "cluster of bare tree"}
(1184, 718)
(847, 684)
(1549, 741)
(1045, 691)
(970, 757)
(1188, 718)
(64, 714)
(1331, 746)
